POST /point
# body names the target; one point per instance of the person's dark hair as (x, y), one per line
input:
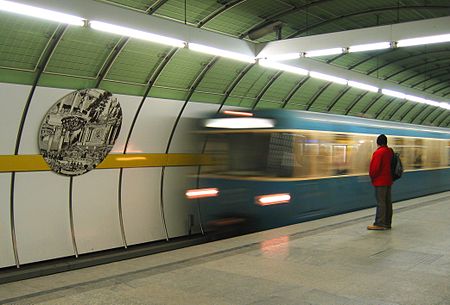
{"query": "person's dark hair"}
(382, 140)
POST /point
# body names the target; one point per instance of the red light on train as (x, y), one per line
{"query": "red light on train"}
(237, 113)
(272, 199)
(202, 193)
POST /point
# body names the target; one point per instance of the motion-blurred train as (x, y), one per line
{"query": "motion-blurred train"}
(275, 167)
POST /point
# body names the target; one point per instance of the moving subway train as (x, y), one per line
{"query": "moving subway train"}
(277, 167)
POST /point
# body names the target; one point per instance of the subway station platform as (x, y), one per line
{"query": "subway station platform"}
(329, 261)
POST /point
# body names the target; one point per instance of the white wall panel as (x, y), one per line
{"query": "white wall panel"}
(184, 140)
(43, 99)
(153, 126)
(141, 205)
(95, 210)
(6, 249)
(176, 207)
(129, 105)
(13, 99)
(41, 213)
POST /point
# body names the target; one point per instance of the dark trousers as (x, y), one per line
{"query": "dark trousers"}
(384, 206)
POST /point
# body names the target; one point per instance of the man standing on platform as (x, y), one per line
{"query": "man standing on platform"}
(380, 174)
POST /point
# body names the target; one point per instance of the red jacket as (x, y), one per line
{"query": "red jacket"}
(380, 167)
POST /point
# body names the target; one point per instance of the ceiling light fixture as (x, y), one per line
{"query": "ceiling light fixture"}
(416, 99)
(329, 78)
(369, 47)
(283, 67)
(362, 86)
(219, 52)
(41, 13)
(281, 57)
(445, 105)
(423, 40)
(124, 31)
(324, 52)
(393, 93)
(433, 103)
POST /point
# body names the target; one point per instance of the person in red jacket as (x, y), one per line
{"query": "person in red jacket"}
(380, 174)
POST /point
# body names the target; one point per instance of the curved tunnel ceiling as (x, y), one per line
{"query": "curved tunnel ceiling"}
(53, 55)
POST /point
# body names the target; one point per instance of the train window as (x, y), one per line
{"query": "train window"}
(252, 154)
(448, 153)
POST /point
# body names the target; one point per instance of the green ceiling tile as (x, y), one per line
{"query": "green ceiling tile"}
(183, 69)
(240, 101)
(140, 5)
(66, 82)
(244, 16)
(282, 86)
(192, 11)
(221, 75)
(81, 52)
(264, 104)
(137, 61)
(347, 99)
(361, 104)
(17, 77)
(253, 82)
(205, 97)
(118, 88)
(168, 93)
(306, 92)
(22, 40)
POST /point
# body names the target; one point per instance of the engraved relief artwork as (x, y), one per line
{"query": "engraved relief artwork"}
(79, 131)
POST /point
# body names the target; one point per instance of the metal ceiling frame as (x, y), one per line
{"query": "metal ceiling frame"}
(234, 83)
(383, 107)
(447, 71)
(294, 90)
(395, 61)
(41, 65)
(219, 11)
(415, 66)
(317, 94)
(279, 15)
(377, 55)
(337, 98)
(366, 12)
(266, 87)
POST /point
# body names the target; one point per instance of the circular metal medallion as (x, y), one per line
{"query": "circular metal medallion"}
(79, 130)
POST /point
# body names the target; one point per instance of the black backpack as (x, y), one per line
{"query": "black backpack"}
(396, 166)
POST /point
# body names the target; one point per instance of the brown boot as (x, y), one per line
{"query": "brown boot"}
(375, 227)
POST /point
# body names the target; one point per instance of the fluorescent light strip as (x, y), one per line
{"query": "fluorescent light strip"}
(218, 52)
(423, 40)
(393, 93)
(41, 13)
(416, 99)
(362, 86)
(433, 103)
(369, 47)
(329, 78)
(324, 52)
(283, 67)
(281, 57)
(124, 31)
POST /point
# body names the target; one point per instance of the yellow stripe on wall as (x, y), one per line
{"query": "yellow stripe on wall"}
(30, 163)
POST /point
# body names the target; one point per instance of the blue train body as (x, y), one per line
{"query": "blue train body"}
(317, 197)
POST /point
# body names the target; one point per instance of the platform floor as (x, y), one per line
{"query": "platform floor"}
(324, 262)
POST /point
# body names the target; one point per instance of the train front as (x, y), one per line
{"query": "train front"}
(238, 192)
